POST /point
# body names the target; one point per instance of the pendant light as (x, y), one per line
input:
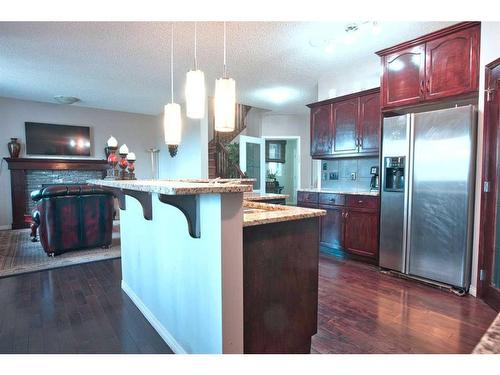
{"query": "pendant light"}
(172, 122)
(195, 88)
(225, 99)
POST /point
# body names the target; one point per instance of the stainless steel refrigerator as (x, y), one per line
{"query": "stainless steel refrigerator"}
(427, 192)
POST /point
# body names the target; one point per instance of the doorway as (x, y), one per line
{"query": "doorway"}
(283, 165)
(252, 156)
(489, 241)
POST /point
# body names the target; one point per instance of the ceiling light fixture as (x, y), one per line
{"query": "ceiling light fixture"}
(172, 122)
(225, 99)
(376, 28)
(61, 99)
(195, 88)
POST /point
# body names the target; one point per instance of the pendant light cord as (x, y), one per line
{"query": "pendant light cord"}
(225, 69)
(195, 47)
(172, 64)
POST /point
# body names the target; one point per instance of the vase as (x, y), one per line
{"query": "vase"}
(14, 148)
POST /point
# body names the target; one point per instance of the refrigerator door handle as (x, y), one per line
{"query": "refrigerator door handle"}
(408, 192)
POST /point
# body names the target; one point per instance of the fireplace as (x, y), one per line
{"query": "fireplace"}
(28, 174)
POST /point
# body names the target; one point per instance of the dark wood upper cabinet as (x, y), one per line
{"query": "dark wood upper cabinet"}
(361, 232)
(321, 130)
(403, 76)
(369, 123)
(345, 125)
(452, 64)
(354, 126)
(438, 65)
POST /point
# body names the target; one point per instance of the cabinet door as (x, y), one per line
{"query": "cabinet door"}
(403, 77)
(321, 130)
(345, 118)
(332, 227)
(361, 232)
(369, 123)
(452, 64)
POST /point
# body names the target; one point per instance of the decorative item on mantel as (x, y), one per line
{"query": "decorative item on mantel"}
(123, 151)
(112, 158)
(14, 148)
(131, 166)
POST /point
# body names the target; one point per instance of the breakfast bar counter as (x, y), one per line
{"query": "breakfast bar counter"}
(196, 257)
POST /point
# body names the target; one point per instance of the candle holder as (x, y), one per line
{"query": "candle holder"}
(123, 166)
(131, 169)
(112, 173)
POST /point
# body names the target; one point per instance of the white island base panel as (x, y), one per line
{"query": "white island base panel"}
(189, 289)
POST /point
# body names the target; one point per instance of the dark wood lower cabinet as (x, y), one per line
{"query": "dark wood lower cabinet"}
(351, 224)
(332, 226)
(361, 232)
(280, 286)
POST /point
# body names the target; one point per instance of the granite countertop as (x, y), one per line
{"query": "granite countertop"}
(264, 196)
(255, 213)
(490, 342)
(336, 191)
(177, 187)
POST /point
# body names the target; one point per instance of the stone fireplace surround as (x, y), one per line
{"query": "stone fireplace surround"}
(28, 174)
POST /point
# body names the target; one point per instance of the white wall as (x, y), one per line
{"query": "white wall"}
(490, 50)
(274, 125)
(358, 77)
(191, 160)
(136, 130)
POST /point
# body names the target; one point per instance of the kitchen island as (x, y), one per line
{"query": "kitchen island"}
(215, 274)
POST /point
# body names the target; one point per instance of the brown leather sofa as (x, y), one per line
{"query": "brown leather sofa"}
(70, 217)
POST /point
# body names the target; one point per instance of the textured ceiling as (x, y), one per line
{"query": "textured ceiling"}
(125, 66)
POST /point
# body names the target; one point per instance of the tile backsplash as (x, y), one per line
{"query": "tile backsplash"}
(343, 168)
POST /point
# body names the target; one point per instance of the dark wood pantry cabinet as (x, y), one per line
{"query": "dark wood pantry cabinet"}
(442, 64)
(346, 126)
(351, 224)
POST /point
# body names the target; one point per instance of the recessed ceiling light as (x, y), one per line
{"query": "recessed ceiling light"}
(330, 48)
(277, 95)
(66, 99)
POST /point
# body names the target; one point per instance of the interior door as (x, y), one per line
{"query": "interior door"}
(253, 161)
(345, 127)
(489, 242)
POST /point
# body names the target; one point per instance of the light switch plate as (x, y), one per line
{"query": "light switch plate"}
(353, 176)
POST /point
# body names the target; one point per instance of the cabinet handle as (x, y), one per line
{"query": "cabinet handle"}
(332, 200)
(422, 90)
(360, 201)
(346, 214)
(427, 86)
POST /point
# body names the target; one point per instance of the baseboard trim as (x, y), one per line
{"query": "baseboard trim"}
(5, 227)
(473, 291)
(160, 328)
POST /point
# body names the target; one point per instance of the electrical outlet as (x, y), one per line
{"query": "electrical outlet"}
(353, 176)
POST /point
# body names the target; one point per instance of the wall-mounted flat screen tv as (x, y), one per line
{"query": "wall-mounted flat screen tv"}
(53, 139)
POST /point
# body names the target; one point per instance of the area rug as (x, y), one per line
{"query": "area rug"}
(19, 255)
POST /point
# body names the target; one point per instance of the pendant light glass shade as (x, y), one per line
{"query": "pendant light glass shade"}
(195, 94)
(225, 104)
(172, 124)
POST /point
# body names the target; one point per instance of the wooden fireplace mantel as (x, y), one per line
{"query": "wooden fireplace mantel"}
(59, 164)
(19, 167)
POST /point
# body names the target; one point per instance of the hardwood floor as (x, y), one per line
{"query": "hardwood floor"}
(78, 309)
(81, 309)
(364, 311)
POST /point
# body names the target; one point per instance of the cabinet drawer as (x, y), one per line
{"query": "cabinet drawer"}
(307, 197)
(362, 201)
(332, 199)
